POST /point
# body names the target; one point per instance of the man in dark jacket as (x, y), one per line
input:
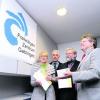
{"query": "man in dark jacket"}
(57, 65)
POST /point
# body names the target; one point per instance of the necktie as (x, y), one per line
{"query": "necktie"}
(83, 56)
(54, 65)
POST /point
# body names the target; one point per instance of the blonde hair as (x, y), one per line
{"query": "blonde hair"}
(43, 53)
(72, 49)
(91, 38)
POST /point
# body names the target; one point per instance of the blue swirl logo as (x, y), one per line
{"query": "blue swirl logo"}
(19, 21)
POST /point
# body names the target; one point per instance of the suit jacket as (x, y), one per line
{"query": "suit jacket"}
(88, 76)
(70, 93)
(60, 66)
(38, 91)
(55, 84)
(74, 66)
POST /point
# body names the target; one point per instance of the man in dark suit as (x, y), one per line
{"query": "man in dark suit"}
(57, 65)
(72, 64)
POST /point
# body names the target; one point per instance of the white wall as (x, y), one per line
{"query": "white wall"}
(0, 3)
(76, 45)
(98, 42)
(62, 48)
(44, 42)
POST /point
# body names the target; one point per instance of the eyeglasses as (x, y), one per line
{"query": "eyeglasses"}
(55, 55)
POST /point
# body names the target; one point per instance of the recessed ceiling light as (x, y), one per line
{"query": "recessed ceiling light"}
(61, 11)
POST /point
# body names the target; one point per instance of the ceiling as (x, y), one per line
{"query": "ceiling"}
(83, 16)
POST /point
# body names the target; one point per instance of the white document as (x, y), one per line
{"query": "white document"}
(64, 82)
(40, 77)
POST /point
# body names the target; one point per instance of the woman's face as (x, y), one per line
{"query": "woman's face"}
(43, 59)
(85, 43)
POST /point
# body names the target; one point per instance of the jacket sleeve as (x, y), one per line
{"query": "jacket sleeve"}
(91, 71)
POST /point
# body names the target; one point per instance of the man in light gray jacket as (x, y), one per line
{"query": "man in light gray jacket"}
(87, 75)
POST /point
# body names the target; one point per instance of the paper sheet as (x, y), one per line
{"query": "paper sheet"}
(40, 77)
(64, 82)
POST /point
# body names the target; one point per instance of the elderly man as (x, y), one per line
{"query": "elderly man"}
(57, 65)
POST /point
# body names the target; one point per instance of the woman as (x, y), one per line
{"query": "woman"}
(46, 69)
(87, 75)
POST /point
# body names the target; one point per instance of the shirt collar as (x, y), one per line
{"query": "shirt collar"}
(89, 50)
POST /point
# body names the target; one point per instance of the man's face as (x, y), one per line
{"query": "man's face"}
(55, 56)
(43, 59)
(85, 44)
(70, 54)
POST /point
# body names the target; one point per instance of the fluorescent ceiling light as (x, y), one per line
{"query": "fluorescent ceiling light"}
(61, 11)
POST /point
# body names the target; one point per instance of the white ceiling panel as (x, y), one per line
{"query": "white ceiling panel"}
(83, 16)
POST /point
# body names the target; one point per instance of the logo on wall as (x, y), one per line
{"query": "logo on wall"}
(17, 20)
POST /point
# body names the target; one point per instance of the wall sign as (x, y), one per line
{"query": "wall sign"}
(17, 32)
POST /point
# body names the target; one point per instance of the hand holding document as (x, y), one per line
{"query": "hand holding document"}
(64, 82)
(41, 78)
